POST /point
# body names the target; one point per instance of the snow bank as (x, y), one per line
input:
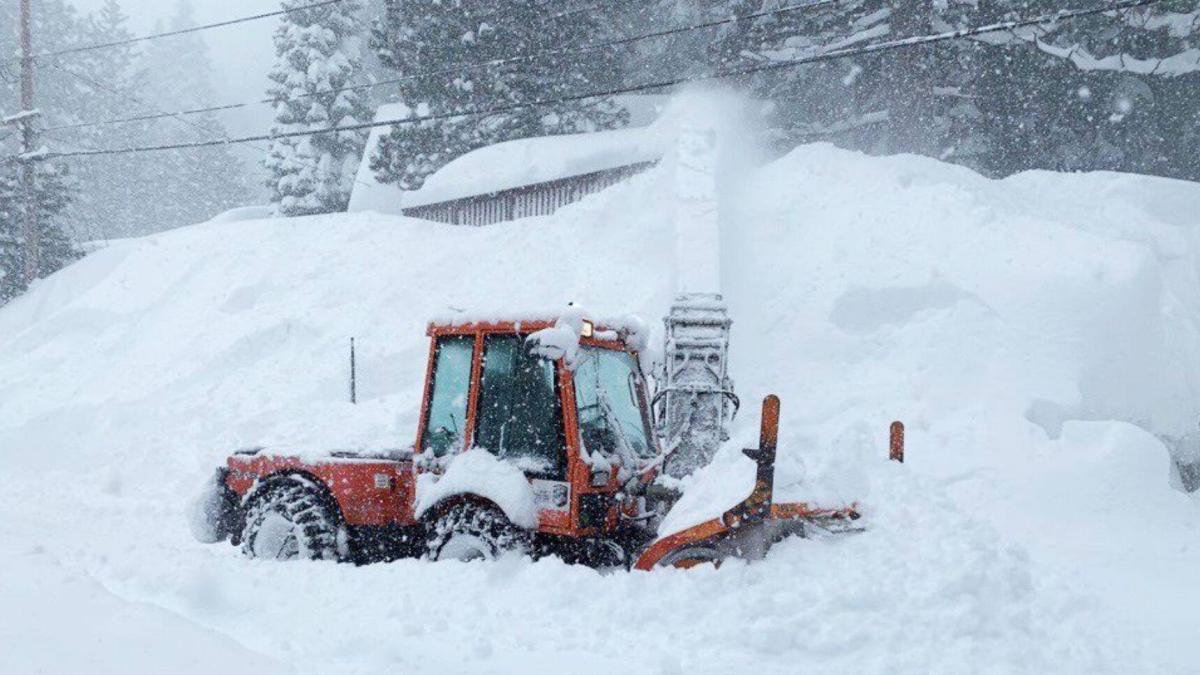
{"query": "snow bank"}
(1037, 334)
(56, 619)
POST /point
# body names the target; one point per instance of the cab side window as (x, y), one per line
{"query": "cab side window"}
(520, 416)
(446, 419)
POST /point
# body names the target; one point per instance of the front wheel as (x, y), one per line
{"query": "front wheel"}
(692, 556)
(468, 531)
(291, 521)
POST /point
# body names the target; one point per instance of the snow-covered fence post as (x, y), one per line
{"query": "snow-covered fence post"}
(695, 387)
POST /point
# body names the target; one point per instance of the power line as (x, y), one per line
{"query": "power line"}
(889, 45)
(122, 95)
(479, 65)
(714, 23)
(160, 115)
(182, 31)
(130, 97)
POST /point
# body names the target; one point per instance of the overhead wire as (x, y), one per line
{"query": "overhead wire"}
(181, 31)
(878, 47)
(122, 95)
(179, 115)
(266, 152)
(481, 65)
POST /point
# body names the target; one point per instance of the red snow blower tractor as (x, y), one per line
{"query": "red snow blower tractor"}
(532, 438)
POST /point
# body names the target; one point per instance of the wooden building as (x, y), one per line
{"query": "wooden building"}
(514, 179)
(537, 199)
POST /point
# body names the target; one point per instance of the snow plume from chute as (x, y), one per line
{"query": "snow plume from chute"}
(710, 152)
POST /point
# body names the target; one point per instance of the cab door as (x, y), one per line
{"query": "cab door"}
(444, 426)
(519, 419)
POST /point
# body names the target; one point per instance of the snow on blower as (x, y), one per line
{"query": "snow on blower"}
(536, 437)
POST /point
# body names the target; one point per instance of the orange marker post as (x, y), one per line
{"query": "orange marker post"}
(896, 447)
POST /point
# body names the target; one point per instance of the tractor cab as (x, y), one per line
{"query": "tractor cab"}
(567, 406)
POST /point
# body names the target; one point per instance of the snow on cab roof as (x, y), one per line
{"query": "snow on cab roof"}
(630, 327)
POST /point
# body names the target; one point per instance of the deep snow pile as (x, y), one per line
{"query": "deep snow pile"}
(1032, 332)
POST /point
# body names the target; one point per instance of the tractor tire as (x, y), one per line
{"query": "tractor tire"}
(292, 521)
(692, 556)
(467, 531)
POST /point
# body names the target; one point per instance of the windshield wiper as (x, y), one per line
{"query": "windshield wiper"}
(625, 451)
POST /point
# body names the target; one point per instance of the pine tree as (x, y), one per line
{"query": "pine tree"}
(135, 194)
(1110, 91)
(51, 195)
(12, 258)
(117, 195)
(55, 24)
(192, 184)
(417, 36)
(900, 101)
(838, 100)
(318, 51)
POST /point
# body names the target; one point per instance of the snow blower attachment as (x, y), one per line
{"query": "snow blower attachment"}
(535, 437)
(695, 400)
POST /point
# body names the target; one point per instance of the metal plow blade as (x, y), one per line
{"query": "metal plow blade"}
(749, 529)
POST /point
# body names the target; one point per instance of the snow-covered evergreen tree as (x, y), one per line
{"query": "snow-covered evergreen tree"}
(1110, 91)
(318, 52)
(51, 194)
(907, 101)
(134, 194)
(54, 23)
(117, 194)
(12, 259)
(193, 184)
(59, 95)
(418, 36)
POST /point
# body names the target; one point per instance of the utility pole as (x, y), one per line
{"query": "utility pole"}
(33, 263)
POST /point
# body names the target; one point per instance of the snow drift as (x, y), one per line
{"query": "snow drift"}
(1037, 334)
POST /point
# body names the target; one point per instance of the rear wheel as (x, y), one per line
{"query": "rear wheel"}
(292, 521)
(468, 531)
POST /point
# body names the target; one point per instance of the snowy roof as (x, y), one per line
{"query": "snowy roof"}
(513, 164)
(243, 213)
(529, 161)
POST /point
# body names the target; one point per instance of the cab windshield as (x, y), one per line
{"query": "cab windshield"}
(608, 396)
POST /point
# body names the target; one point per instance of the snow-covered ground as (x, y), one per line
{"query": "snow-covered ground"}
(1035, 333)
